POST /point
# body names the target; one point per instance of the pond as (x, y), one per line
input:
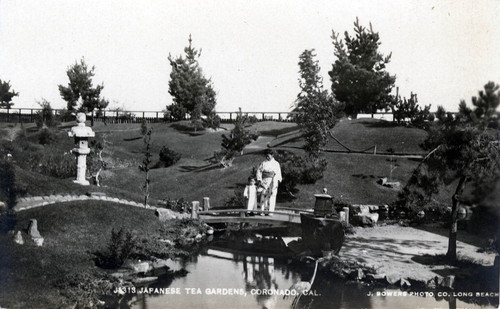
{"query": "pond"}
(255, 270)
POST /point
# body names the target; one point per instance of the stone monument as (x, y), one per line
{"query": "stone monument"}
(81, 133)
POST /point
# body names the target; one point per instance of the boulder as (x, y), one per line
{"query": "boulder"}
(33, 229)
(369, 219)
(141, 267)
(164, 214)
(18, 238)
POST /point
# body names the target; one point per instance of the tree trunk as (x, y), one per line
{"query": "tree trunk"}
(452, 240)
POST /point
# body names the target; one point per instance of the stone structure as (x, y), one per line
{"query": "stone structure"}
(81, 133)
(34, 233)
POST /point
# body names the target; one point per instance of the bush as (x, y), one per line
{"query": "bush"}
(46, 136)
(177, 112)
(179, 205)
(46, 116)
(53, 163)
(212, 121)
(237, 201)
(298, 170)
(144, 127)
(169, 157)
(85, 289)
(408, 112)
(10, 188)
(119, 248)
(224, 158)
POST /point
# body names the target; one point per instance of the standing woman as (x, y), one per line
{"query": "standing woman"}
(269, 176)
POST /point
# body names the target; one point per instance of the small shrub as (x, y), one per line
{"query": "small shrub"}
(46, 136)
(212, 121)
(224, 158)
(85, 289)
(10, 188)
(237, 201)
(298, 170)
(119, 248)
(179, 205)
(52, 162)
(46, 116)
(169, 157)
(144, 127)
(177, 112)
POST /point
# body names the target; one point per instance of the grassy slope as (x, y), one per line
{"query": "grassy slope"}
(72, 231)
(352, 177)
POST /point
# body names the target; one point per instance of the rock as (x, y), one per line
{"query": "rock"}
(18, 239)
(382, 181)
(210, 231)
(404, 283)
(393, 185)
(96, 194)
(38, 241)
(369, 219)
(448, 282)
(198, 238)
(160, 263)
(3, 206)
(144, 280)
(33, 229)
(141, 267)
(164, 214)
(392, 279)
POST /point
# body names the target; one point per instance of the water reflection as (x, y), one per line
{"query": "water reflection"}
(258, 272)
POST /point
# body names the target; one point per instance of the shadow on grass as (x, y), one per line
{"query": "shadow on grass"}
(379, 124)
(198, 169)
(363, 176)
(132, 139)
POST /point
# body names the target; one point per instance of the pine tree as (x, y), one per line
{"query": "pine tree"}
(317, 110)
(6, 94)
(358, 75)
(191, 91)
(464, 150)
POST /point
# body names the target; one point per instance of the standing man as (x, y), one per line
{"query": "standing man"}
(269, 176)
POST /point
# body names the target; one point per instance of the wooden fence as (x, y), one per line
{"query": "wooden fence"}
(28, 115)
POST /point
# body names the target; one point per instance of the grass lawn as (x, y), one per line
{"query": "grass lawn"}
(349, 176)
(72, 232)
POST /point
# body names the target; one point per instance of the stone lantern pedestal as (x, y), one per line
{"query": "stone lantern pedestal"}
(81, 133)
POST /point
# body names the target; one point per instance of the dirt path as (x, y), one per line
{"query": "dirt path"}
(397, 251)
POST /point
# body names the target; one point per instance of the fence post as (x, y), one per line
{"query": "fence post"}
(20, 120)
(31, 117)
(156, 116)
(263, 118)
(206, 203)
(194, 209)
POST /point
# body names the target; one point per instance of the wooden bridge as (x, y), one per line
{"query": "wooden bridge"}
(281, 216)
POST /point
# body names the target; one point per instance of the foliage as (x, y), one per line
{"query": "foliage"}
(179, 205)
(239, 137)
(146, 164)
(318, 111)
(463, 151)
(169, 157)
(408, 112)
(358, 75)
(6, 94)
(120, 246)
(236, 201)
(46, 136)
(95, 161)
(191, 91)
(212, 121)
(80, 94)
(10, 188)
(224, 158)
(46, 116)
(52, 162)
(85, 289)
(144, 127)
(298, 170)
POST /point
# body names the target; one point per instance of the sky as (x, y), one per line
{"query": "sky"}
(445, 51)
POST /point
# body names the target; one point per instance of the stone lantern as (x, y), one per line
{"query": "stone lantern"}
(81, 133)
